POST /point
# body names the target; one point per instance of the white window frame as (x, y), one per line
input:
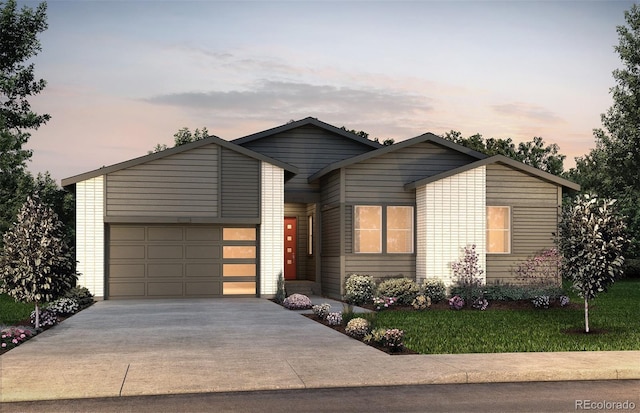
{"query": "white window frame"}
(508, 230)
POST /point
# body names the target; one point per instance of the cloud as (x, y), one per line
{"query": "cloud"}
(527, 111)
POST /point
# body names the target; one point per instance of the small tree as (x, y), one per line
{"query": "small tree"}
(36, 264)
(468, 274)
(592, 240)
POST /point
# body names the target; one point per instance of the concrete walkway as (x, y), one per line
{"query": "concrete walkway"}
(125, 348)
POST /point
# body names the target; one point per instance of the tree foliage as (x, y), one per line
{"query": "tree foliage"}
(611, 168)
(592, 239)
(36, 263)
(363, 134)
(534, 153)
(19, 30)
(183, 136)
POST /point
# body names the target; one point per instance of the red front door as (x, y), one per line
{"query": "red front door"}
(290, 250)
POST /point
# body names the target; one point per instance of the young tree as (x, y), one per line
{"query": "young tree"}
(18, 44)
(592, 240)
(36, 263)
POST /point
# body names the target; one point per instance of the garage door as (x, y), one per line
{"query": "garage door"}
(169, 261)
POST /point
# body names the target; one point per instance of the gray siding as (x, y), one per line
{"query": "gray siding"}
(534, 217)
(184, 184)
(310, 149)
(331, 274)
(240, 185)
(382, 179)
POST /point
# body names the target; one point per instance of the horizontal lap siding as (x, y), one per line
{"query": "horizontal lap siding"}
(240, 185)
(381, 266)
(534, 217)
(331, 273)
(310, 149)
(184, 184)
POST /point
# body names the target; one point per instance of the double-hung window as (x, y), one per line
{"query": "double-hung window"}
(498, 229)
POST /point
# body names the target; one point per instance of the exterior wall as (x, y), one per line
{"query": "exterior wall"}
(90, 234)
(451, 214)
(240, 194)
(534, 216)
(310, 149)
(271, 244)
(331, 235)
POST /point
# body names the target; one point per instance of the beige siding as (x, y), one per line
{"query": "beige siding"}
(271, 229)
(90, 234)
(534, 217)
(184, 184)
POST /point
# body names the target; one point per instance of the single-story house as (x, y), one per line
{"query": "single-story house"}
(308, 201)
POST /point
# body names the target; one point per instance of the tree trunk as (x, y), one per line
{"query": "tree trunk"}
(37, 316)
(586, 315)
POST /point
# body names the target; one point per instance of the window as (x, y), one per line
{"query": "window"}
(310, 235)
(498, 229)
(399, 229)
(367, 229)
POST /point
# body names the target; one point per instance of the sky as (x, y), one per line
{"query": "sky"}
(123, 76)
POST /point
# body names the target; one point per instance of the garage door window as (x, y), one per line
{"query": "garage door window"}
(239, 234)
(239, 261)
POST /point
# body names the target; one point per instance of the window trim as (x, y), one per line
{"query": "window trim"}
(509, 230)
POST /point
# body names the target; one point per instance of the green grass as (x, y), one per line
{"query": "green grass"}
(495, 331)
(12, 312)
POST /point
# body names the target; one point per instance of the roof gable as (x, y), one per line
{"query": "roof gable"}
(427, 137)
(497, 159)
(175, 150)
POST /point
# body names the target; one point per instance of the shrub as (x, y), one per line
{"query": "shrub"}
(82, 295)
(404, 289)
(357, 327)
(435, 290)
(380, 303)
(359, 289)
(12, 336)
(64, 306)
(421, 302)
(47, 318)
(375, 336)
(393, 339)
(541, 269)
(281, 292)
(297, 302)
(480, 304)
(321, 310)
(334, 319)
(456, 302)
(631, 268)
(508, 292)
(541, 301)
(468, 274)
(564, 301)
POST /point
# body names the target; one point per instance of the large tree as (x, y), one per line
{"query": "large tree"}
(535, 153)
(611, 168)
(19, 43)
(183, 136)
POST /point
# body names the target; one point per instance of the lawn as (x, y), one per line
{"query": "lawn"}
(12, 312)
(614, 321)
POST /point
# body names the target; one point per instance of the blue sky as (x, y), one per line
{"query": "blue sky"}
(125, 75)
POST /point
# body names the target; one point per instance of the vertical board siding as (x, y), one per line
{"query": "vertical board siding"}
(534, 217)
(451, 215)
(240, 185)
(310, 149)
(184, 184)
(90, 234)
(382, 179)
(271, 228)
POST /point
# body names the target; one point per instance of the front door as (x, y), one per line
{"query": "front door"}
(290, 250)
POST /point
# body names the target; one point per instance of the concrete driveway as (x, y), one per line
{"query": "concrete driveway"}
(122, 348)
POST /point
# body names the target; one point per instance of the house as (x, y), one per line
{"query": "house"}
(309, 201)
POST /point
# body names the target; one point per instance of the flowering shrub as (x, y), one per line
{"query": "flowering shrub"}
(456, 302)
(468, 274)
(435, 290)
(13, 336)
(541, 301)
(64, 306)
(393, 339)
(541, 269)
(359, 289)
(421, 302)
(82, 295)
(381, 303)
(357, 327)
(480, 304)
(321, 310)
(334, 319)
(297, 302)
(47, 318)
(564, 301)
(404, 289)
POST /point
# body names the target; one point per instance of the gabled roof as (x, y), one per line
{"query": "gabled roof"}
(175, 150)
(496, 159)
(427, 137)
(304, 122)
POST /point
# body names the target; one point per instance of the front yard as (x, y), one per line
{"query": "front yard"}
(614, 318)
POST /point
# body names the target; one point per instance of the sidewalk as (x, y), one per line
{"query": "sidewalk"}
(126, 348)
